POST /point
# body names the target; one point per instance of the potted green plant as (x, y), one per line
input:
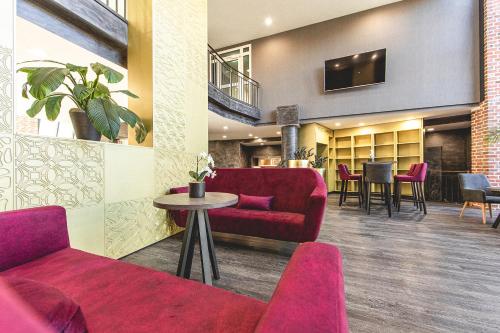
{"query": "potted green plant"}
(204, 168)
(95, 112)
(301, 158)
(318, 164)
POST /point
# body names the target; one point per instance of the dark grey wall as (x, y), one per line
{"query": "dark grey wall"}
(456, 148)
(227, 153)
(432, 59)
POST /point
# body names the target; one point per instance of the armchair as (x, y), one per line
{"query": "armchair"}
(474, 189)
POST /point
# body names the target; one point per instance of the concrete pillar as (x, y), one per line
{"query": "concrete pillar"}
(288, 117)
(289, 141)
(486, 118)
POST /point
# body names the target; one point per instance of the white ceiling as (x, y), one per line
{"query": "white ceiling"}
(238, 131)
(237, 21)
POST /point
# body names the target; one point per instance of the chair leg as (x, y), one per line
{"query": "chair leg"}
(382, 197)
(395, 196)
(388, 199)
(419, 201)
(346, 190)
(413, 194)
(491, 212)
(399, 196)
(341, 193)
(463, 209)
(368, 197)
(360, 194)
(483, 210)
(422, 197)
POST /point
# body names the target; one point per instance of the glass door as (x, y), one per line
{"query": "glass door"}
(232, 82)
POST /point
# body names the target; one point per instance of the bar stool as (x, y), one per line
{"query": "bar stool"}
(346, 176)
(396, 187)
(416, 180)
(379, 173)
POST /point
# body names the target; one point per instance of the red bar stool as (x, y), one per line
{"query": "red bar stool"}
(346, 176)
(416, 179)
(396, 188)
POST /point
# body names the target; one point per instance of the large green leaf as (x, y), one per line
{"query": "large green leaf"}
(36, 107)
(104, 116)
(45, 80)
(140, 131)
(24, 91)
(109, 73)
(53, 107)
(126, 92)
(79, 69)
(128, 116)
(101, 91)
(81, 92)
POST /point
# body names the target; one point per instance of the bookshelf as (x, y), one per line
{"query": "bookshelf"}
(397, 142)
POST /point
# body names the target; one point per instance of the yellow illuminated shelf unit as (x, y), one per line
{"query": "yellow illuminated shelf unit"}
(398, 142)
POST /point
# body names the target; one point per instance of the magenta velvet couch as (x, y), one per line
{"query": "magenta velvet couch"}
(297, 210)
(115, 296)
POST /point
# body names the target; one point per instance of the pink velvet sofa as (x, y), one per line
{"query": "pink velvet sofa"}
(298, 206)
(115, 296)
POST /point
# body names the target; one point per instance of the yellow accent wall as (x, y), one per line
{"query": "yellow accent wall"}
(108, 189)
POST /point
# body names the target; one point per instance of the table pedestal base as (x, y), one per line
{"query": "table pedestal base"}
(198, 226)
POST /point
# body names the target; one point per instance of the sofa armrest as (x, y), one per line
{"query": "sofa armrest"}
(315, 213)
(175, 190)
(310, 294)
(473, 195)
(28, 234)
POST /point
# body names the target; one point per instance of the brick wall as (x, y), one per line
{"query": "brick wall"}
(485, 155)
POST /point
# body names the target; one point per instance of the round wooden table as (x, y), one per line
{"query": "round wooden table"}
(197, 225)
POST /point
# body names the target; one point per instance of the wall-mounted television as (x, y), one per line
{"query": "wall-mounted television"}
(355, 70)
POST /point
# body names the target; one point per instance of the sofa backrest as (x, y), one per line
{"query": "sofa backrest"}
(291, 188)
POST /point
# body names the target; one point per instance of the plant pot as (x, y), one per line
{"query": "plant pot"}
(321, 171)
(298, 163)
(82, 126)
(197, 190)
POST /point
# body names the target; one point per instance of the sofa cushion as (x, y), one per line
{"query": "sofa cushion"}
(255, 202)
(145, 300)
(257, 223)
(59, 311)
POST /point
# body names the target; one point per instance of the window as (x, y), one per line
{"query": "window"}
(238, 58)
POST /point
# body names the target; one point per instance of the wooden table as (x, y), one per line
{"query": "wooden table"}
(197, 225)
(496, 190)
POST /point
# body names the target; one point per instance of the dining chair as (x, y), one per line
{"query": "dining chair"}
(474, 189)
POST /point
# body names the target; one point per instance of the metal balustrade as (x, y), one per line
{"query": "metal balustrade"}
(230, 81)
(117, 6)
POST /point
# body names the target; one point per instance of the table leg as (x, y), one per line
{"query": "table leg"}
(497, 222)
(211, 248)
(186, 257)
(205, 258)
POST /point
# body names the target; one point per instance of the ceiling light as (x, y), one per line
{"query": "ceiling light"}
(279, 133)
(430, 129)
(224, 136)
(261, 143)
(250, 134)
(374, 56)
(355, 56)
(268, 21)
(337, 124)
(256, 137)
(361, 124)
(225, 128)
(337, 65)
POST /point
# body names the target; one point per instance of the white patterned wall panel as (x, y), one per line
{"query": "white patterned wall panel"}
(6, 82)
(6, 172)
(132, 225)
(58, 172)
(6, 130)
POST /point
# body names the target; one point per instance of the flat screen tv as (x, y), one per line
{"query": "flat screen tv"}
(355, 70)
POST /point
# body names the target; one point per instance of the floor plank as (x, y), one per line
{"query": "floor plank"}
(411, 273)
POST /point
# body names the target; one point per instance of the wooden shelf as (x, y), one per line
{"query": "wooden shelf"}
(361, 157)
(343, 158)
(384, 157)
(408, 143)
(384, 144)
(403, 156)
(362, 146)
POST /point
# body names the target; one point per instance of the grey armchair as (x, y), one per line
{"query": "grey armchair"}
(474, 188)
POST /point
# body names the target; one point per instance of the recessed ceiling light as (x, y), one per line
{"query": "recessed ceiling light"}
(268, 21)
(224, 136)
(355, 56)
(337, 65)
(374, 56)
(250, 134)
(361, 124)
(256, 137)
(279, 133)
(225, 128)
(337, 124)
(262, 143)
(430, 129)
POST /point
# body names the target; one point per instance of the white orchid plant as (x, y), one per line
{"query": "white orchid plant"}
(204, 167)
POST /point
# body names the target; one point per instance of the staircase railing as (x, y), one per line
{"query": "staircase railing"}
(230, 81)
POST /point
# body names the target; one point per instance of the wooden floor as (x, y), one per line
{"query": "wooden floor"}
(406, 274)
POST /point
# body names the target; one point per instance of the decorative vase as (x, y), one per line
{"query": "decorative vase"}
(197, 190)
(321, 171)
(82, 126)
(298, 163)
